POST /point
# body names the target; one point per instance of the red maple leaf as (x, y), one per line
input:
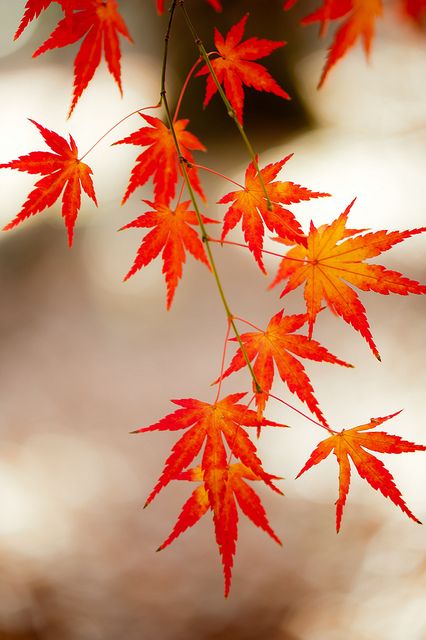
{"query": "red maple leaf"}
(62, 171)
(251, 205)
(352, 443)
(333, 257)
(33, 9)
(100, 23)
(161, 160)
(172, 234)
(209, 423)
(360, 21)
(230, 487)
(415, 10)
(217, 6)
(277, 345)
(235, 67)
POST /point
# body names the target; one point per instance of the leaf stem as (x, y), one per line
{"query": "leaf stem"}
(229, 108)
(250, 324)
(245, 246)
(185, 84)
(323, 426)
(222, 364)
(129, 115)
(184, 169)
(216, 173)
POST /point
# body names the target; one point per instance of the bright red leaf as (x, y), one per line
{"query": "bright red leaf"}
(352, 444)
(160, 160)
(251, 205)
(33, 9)
(278, 346)
(62, 171)
(235, 68)
(415, 10)
(172, 234)
(210, 423)
(331, 258)
(222, 497)
(359, 23)
(100, 23)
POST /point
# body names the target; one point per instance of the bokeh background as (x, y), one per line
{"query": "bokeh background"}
(84, 358)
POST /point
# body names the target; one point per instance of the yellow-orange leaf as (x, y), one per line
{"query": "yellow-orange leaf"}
(334, 257)
(351, 444)
(281, 347)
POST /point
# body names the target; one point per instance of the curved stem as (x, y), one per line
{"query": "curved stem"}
(184, 87)
(250, 324)
(222, 364)
(155, 106)
(245, 246)
(216, 173)
(229, 108)
(180, 194)
(185, 84)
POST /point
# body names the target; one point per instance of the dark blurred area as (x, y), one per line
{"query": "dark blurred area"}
(85, 358)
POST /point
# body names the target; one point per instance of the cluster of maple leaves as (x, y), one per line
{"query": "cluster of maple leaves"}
(328, 261)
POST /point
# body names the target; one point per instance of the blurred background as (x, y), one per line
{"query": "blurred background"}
(84, 358)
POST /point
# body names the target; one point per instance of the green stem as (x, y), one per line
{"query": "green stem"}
(183, 165)
(229, 108)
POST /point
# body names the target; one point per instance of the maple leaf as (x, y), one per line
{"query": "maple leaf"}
(277, 345)
(352, 443)
(222, 498)
(251, 205)
(209, 422)
(172, 234)
(217, 6)
(415, 10)
(100, 23)
(235, 67)
(332, 257)
(160, 160)
(33, 9)
(62, 171)
(360, 22)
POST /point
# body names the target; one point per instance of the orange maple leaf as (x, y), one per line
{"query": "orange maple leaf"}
(251, 205)
(331, 258)
(277, 345)
(33, 9)
(221, 496)
(352, 443)
(160, 160)
(62, 171)
(235, 67)
(172, 234)
(100, 23)
(209, 423)
(360, 21)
